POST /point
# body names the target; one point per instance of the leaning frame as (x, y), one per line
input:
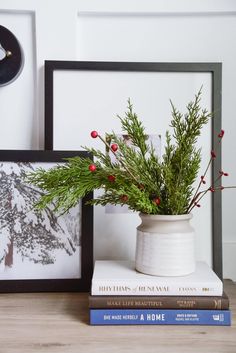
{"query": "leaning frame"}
(215, 69)
(23, 224)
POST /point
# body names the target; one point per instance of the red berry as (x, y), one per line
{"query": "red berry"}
(92, 167)
(157, 201)
(203, 180)
(114, 147)
(94, 134)
(124, 198)
(111, 178)
(212, 189)
(221, 134)
(223, 173)
(213, 155)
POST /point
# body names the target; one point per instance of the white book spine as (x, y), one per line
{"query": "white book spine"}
(134, 289)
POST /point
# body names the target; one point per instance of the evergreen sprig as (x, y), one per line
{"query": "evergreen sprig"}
(136, 176)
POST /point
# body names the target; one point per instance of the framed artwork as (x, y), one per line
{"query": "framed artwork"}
(85, 96)
(41, 250)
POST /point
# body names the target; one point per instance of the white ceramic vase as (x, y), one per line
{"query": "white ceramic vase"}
(165, 245)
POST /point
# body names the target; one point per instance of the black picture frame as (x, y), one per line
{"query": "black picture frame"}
(214, 69)
(82, 283)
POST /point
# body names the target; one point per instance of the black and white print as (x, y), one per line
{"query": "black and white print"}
(35, 244)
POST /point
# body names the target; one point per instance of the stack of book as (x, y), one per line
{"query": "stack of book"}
(122, 296)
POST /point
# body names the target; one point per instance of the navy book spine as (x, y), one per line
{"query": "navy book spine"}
(159, 317)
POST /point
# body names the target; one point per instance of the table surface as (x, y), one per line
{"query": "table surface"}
(59, 323)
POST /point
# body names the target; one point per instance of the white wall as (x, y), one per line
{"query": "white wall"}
(177, 30)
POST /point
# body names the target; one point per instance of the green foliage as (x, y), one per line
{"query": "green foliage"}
(137, 177)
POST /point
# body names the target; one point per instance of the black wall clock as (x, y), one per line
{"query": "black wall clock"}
(11, 57)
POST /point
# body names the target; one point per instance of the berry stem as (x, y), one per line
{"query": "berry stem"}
(118, 158)
(203, 193)
(191, 205)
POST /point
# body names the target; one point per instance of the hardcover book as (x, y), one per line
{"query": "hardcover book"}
(162, 302)
(159, 317)
(121, 278)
